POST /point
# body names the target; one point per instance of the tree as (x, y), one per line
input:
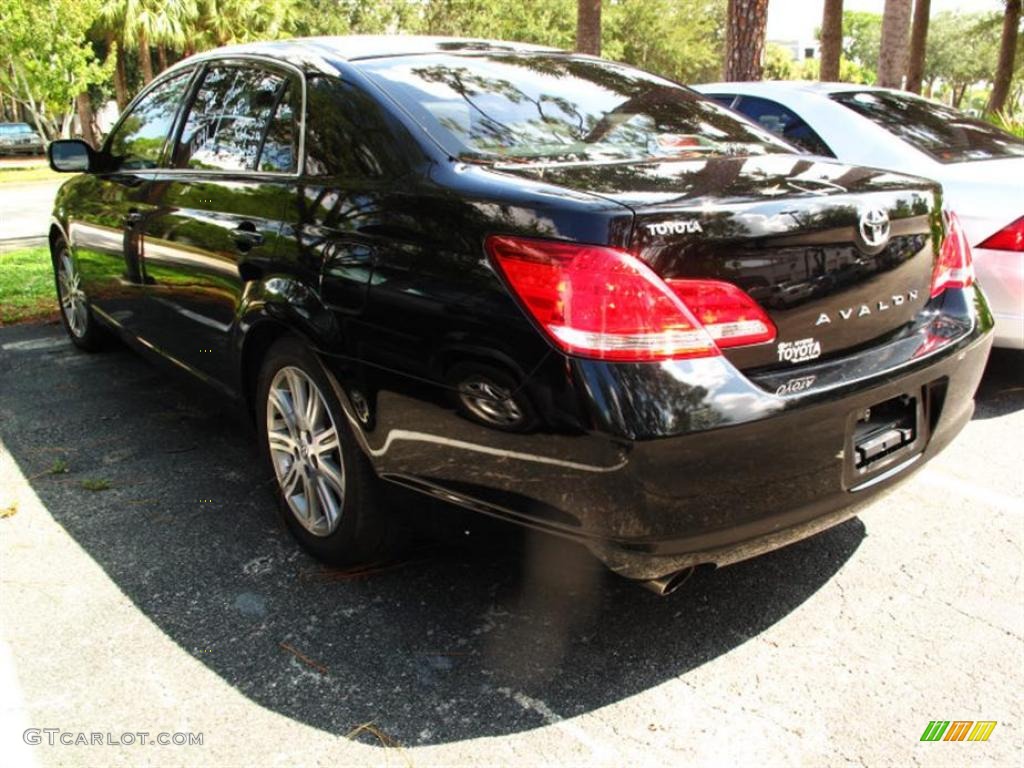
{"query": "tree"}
(962, 50)
(892, 57)
(918, 44)
(778, 63)
(1007, 52)
(680, 39)
(545, 22)
(831, 40)
(588, 27)
(744, 40)
(46, 65)
(862, 40)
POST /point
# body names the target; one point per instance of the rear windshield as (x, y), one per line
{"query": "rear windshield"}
(13, 128)
(944, 133)
(550, 107)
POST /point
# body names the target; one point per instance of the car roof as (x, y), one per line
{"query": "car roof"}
(356, 47)
(791, 86)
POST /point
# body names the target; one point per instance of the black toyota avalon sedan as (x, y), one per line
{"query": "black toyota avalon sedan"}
(545, 287)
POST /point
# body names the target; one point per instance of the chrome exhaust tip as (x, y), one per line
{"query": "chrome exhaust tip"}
(666, 585)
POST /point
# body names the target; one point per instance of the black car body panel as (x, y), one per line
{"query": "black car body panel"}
(654, 466)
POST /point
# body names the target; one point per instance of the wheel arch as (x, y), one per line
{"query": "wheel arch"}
(275, 307)
(56, 233)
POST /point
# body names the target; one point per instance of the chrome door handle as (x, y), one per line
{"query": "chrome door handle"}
(246, 236)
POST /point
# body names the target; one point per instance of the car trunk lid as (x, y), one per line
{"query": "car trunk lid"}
(837, 256)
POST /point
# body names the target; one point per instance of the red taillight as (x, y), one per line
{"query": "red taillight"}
(955, 268)
(601, 302)
(726, 311)
(1009, 238)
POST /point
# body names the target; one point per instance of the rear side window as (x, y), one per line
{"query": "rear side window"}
(783, 122)
(241, 119)
(947, 135)
(346, 135)
(138, 141)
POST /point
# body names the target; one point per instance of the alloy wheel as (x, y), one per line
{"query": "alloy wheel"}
(72, 298)
(305, 451)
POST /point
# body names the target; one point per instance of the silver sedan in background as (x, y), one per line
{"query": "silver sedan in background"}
(20, 139)
(981, 168)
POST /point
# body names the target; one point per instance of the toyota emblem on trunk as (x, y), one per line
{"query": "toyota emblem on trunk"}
(874, 227)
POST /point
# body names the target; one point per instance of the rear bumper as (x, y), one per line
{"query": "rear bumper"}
(658, 467)
(796, 480)
(736, 492)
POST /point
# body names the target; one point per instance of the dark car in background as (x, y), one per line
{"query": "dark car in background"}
(20, 139)
(516, 279)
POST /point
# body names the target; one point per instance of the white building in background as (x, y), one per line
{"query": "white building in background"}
(800, 50)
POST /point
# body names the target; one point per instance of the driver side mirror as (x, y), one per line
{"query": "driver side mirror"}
(71, 156)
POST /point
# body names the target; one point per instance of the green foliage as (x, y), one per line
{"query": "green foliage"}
(862, 41)
(96, 484)
(45, 59)
(545, 22)
(779, 64)
(1012, 124)
(962, 49)
(849, 71)
(680, 39)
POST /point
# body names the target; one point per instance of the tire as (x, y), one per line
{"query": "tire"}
(487, 395)
(75, 313)
(346, 522)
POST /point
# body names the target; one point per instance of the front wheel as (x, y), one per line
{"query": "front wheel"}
(326, 490)
(75, 313)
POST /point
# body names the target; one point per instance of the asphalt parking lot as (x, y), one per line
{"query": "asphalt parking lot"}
(147, 586)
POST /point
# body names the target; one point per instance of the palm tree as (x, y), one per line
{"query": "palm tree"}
(141, 24)
(1007, 51)
(122, 20)
(588, 27)
(892, 57)
(831, 40)
(918, 43)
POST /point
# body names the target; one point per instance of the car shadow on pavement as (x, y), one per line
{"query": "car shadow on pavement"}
(485, 632)
(1002, 388)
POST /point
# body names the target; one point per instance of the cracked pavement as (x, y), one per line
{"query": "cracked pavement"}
(174, 601)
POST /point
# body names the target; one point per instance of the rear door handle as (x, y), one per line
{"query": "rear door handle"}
(246, 236)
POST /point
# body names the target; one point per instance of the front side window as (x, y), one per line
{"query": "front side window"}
(517, 108)
(945, 134)
(238, 115)
(138, 142)
(783, 122)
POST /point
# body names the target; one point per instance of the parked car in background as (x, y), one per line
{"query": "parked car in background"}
(20, 139)
(516, 279)
(980, 167)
